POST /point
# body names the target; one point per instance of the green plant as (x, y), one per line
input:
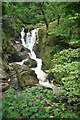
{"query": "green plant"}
(27, 104)
(35, 102)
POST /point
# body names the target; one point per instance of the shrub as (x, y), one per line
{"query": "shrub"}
(36, 102)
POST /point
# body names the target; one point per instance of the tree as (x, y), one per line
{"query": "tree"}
(58, 10)
(43, 12)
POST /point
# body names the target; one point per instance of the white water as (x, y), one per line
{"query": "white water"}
(22, 37)
(29, 44)
(19, 63)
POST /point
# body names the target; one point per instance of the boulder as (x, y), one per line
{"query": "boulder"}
(3, 80)
(25, 76)
(22, 52)
(3, 73)
(4, 86)
(26, 80)
(31, 63)
(9, 78)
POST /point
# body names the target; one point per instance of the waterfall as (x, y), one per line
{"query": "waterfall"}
(22, 37)
(29, 44)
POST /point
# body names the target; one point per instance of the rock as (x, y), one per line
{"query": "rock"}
(4, 86)
(23, 52)
(9, 78)
(3, 75)
(25, 76)
(31, 63)
(3, 80)
(29, 27)
(13, 78)
(37, 37)
(27, 80)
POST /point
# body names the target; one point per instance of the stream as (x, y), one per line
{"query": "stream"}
(29, 44)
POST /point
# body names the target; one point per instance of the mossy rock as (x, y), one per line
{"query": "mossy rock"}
(29, 27)
(45, 45)
(4, 87)
(43, 49)
(39, 25)
(41, 33)
(31, 63)
(26, 80)
(26, 76)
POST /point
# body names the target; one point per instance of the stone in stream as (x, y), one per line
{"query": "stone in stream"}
(30, 63)
(22, 52)
(25, 76)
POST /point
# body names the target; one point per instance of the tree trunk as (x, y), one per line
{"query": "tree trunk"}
(45, 20)
(58, 19)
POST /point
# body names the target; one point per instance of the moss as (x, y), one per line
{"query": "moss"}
(29, 27)
(44, 47)
(26, 80)
(11, 27)
(41, 33)
(39, 25)
(45, 56)
(26, 76)
(8, 51)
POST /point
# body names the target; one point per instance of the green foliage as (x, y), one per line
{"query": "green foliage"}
(7, 48)
(68, 31)
(32, 10)
(27, 104)
(66, 65)
(67, 55)
(35, 102)
(75, 40)
(77, 16)
(64, 31)
(66, 73)
(56, 48)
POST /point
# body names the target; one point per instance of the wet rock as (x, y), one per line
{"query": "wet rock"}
(27, 80)
(31, 63)
(29, 27)
(23, 52)
(25, 76)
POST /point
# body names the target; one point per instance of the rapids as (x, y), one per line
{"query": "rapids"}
(29, 44)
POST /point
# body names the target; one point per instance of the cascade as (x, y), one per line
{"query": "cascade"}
(29, 44)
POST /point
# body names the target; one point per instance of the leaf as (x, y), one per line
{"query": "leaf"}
(74, 107)
(51, 116)
(56, 113)
(69, 101)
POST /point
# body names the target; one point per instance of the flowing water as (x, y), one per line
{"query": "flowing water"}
(29, 44)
